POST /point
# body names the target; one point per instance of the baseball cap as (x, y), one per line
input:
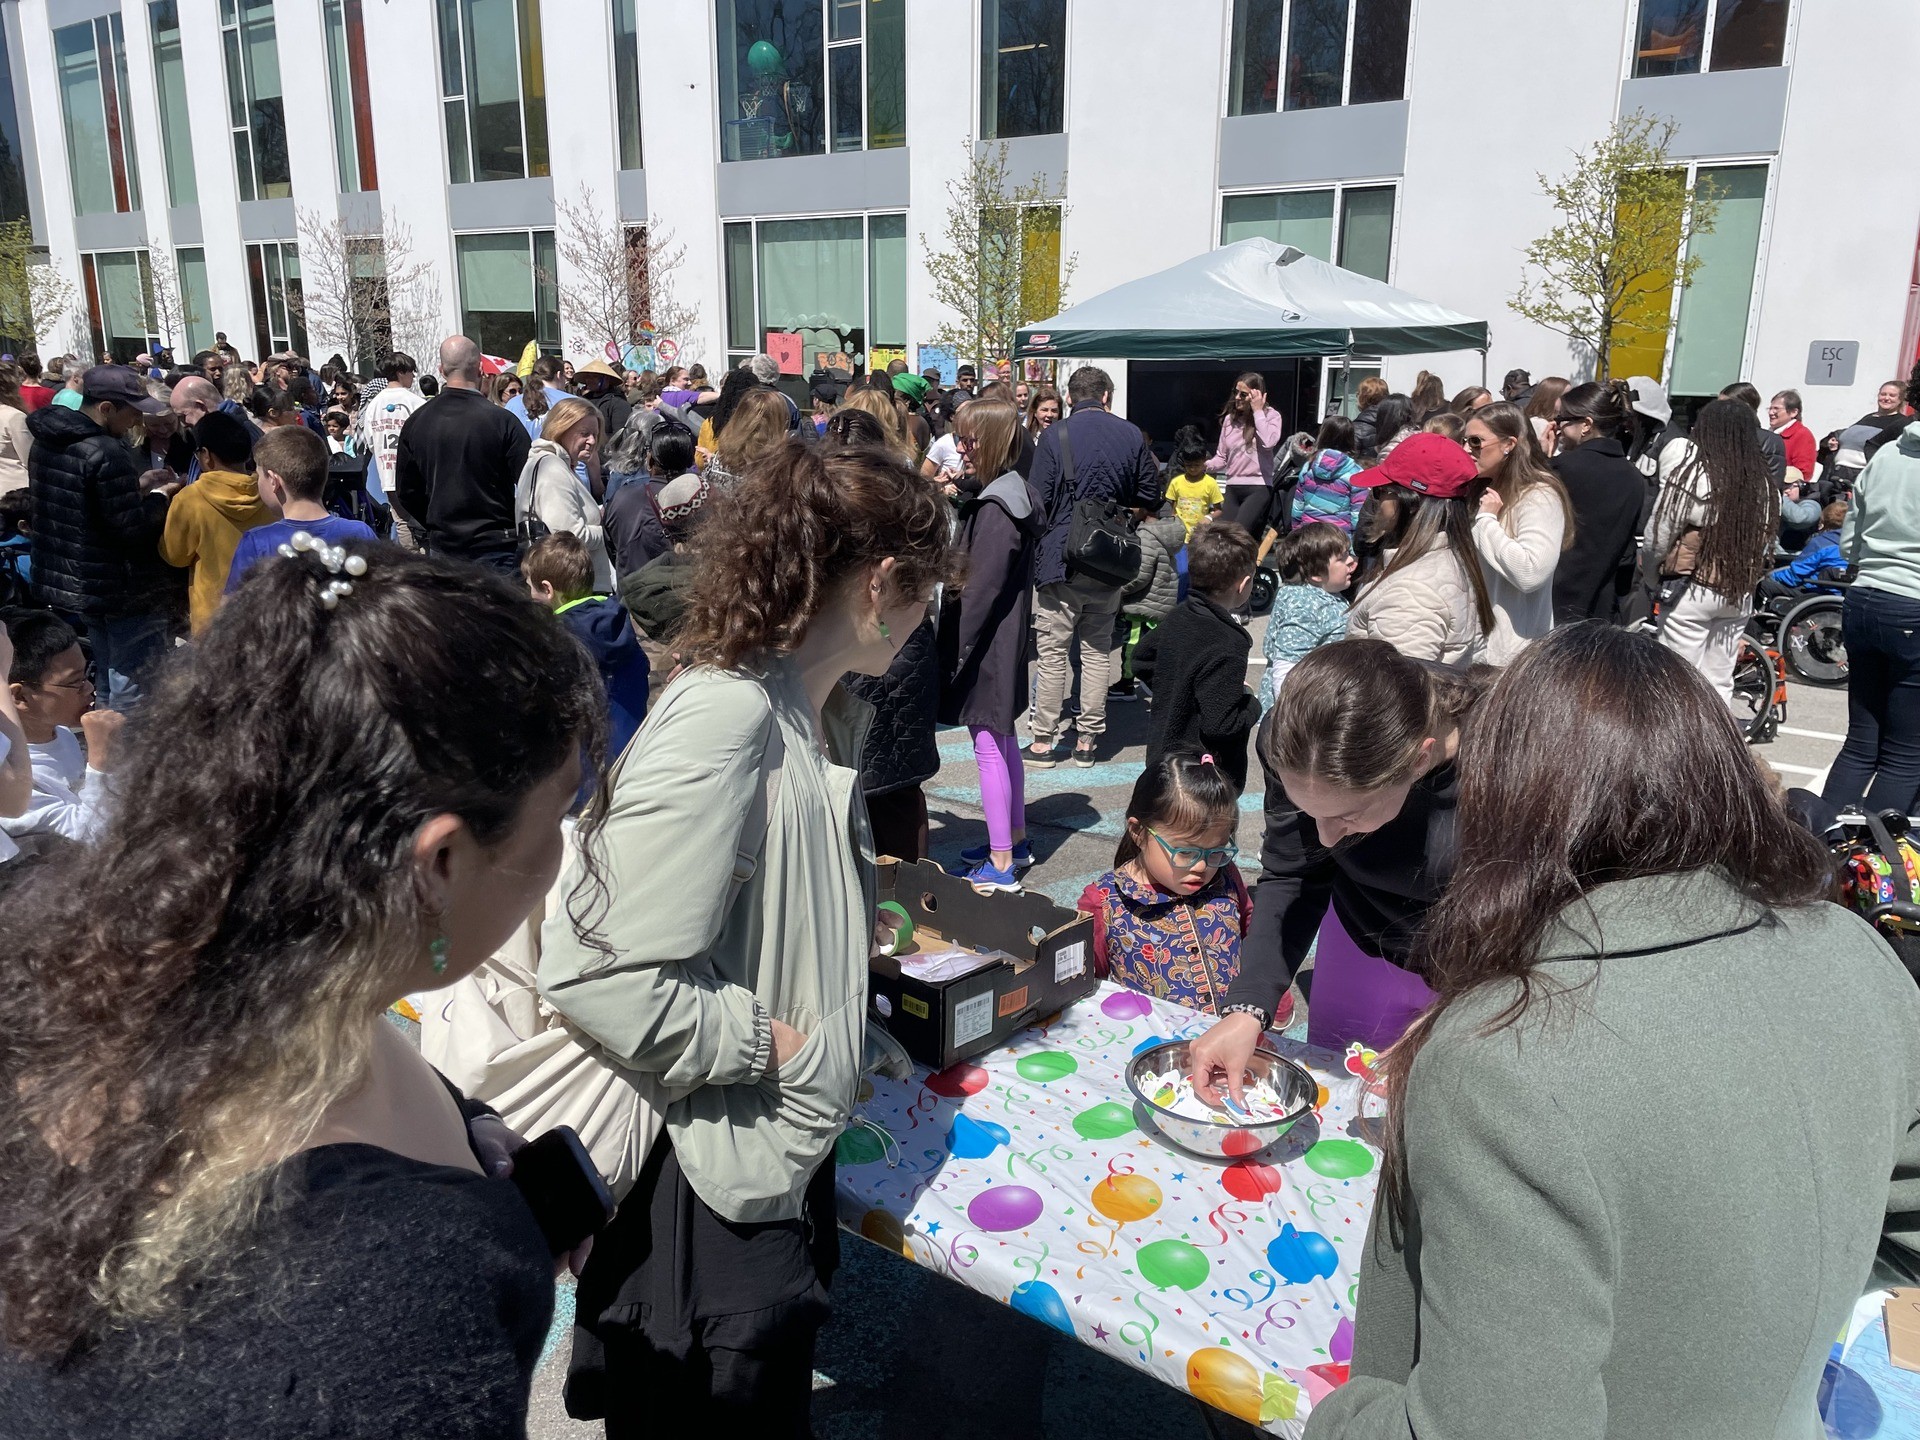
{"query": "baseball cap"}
(1650, 398)
(1426, 464)
(121, 385)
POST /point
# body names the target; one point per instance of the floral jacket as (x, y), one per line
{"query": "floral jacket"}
(1180, 948)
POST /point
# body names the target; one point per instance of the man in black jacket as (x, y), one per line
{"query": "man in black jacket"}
(457, 464)
(96, 531)
(1201, 705)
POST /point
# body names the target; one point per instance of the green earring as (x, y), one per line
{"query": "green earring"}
(885, 633)
(438, 949)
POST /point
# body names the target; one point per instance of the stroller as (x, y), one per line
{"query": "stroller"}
(1877, 865)
(1277, 521)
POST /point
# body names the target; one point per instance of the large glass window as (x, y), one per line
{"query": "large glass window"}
(1711, 338)
(347, 85)
(255, 111)
(838, 281)
(1684, 37)
(119, 291)
(494, 88)
(1306, 219)
(13, 180)
(626, 82)
(90, 60)
(801, 77)
(170, 83)
(1023, 67)
(1305, 55)
(507, 291)
(196, 300)
(279, 309)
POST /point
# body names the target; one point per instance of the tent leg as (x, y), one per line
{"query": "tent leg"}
(1483, 369)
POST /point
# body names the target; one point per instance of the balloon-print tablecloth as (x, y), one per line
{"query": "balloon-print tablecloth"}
(1025, 1176)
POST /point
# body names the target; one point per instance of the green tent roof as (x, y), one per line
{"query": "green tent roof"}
(1253, 297)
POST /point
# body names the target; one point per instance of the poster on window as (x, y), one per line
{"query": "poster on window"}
(786, 349)
(881, 356)
(836, 363)
(943, 358)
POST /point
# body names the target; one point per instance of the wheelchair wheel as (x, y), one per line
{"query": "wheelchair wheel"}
(1811, 642)
(1758, 679)
(1266, 585)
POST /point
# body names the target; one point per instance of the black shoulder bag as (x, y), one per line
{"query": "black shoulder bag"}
(1101, 543)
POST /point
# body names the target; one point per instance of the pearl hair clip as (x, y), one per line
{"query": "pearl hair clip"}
(334, 557)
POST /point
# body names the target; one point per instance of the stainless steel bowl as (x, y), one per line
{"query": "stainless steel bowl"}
(1206, 1138)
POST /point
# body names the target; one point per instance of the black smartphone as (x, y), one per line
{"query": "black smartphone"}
(557, 1179)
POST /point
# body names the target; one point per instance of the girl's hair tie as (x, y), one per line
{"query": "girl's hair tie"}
(1206, 759)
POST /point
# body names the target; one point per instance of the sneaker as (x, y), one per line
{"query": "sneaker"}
(1042, 755)
(1125, 692)
(980, 854)
(1083, 755)
(1283, 1016)
(988, 880)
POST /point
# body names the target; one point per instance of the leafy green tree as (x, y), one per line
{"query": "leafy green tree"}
(1605, 275)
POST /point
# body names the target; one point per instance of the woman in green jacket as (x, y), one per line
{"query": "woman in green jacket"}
(1641, 1144)
(732, 976)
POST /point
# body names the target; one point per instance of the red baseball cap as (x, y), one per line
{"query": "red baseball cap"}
(1427, 464)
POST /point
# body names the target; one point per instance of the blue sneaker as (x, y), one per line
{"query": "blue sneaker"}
(980, 854)
(987, 880)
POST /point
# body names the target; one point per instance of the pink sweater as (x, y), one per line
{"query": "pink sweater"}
(1236, 461)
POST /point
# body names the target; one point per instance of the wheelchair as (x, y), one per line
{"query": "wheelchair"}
(1806, 630)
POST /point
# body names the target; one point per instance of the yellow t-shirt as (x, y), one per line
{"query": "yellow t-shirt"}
(1194, 500)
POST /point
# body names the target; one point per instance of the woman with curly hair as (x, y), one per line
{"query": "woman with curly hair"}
(740, 864)
(1713, 529)
(234, 1200)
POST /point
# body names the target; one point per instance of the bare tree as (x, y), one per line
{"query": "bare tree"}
(367, 295)
(169, 309)
(617, 283)
(36, 295)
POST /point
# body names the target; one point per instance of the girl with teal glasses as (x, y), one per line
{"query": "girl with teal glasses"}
(1167, 919)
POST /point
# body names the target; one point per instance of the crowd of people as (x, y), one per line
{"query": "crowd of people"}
(641, 673)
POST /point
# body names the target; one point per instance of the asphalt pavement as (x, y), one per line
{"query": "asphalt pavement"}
(913, 1356)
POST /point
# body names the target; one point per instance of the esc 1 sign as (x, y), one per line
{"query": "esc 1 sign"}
(1831, 362)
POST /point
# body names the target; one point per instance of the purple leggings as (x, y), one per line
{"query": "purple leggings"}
(1002, 788)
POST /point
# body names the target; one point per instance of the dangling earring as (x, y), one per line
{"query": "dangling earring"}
(438, 950)
(885, 633)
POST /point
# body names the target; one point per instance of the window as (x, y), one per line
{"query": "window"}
(279, 311)
(196, 300)
(838, 281)
(255, 112)
(1672, 38)
(1023, 67)
(1710, 340)
(495, 89)
(91, 62)
(13, 180)
(119, 290)
(626, 82)
(1309, 54)
(352, 106)
(1305, 219)
(170, 81)
(802, 77)
(508, 292)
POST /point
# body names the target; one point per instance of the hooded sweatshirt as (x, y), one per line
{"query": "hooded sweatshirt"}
(204, 526)
(1326, 491)
(601, 624)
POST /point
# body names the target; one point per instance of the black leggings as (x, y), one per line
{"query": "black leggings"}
(1246, 505)
(1881, 759)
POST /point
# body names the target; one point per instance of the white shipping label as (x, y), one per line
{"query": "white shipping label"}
(1071, 961)
(973, 1018)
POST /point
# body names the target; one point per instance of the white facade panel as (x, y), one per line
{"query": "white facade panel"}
(680, 140)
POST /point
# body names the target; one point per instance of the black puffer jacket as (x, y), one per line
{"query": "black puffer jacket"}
(95, 535)
(901, 749)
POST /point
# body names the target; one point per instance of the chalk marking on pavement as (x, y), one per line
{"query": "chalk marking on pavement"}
(1810, 734)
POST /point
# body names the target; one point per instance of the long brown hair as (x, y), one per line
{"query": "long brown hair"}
(1253, 380)
(1525, 466)
(757, 427)
(1034, 397)
(1354, 713)
(1743, 508)
(189, 994)
(790, 532)
(994, 428)
(879, 404)
(1599, 755)
(1546, 395)
(1421, 523)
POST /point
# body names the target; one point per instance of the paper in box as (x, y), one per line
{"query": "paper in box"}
(1046, 964)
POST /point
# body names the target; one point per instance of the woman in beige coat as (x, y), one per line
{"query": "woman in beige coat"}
(733, 979)
(1429, 600)
(551, 493)
(1523, 523)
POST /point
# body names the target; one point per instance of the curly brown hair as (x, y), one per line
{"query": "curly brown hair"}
(187, 996)
(803, 521)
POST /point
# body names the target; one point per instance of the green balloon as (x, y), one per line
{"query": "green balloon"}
(1045, 1065)
(858, 1146)
(1107, 1121)
(763, 57)
(1167, 1263)
(1340, 1159)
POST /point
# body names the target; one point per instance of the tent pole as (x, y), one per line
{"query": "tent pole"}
(1483, 368)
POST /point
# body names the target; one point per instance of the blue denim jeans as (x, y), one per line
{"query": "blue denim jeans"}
(125, 649)
(1880, 763)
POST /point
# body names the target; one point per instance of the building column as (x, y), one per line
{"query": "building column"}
(582, 138)
(227, 290)
(679, 134)
(943, 95)
(37, 80)
(143, 110)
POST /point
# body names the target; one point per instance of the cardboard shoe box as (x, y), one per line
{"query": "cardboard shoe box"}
(1046, 963)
